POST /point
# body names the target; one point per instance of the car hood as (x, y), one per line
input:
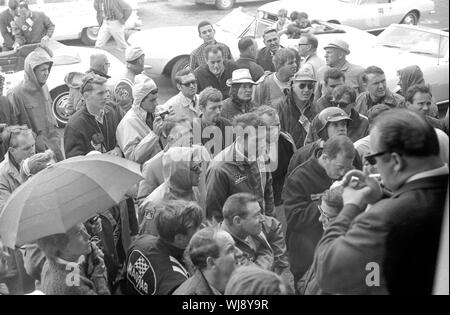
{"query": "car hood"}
(176, 40)
(314, 9)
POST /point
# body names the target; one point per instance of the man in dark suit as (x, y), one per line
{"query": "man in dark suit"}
(352, 251)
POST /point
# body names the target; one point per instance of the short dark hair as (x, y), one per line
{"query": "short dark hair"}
(333, 73)
(253, 280)
(339, 145)
(333, 198)
(418, 88)
(245, 43)
(269, 30)
(10, 133)
(213, 49)
(177, 217)
(371, 70)
(202, 24)
(407, 133)
(209, 94)
(202, 245)
(312, 40)
(248, 119)
(376, 111)
(171, 122)
(293, 16)
(342, 90)
(182, 73)
(302, 15)
(237, 205)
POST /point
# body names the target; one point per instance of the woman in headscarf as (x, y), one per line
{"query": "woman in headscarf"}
(182, 167)
(413, 75)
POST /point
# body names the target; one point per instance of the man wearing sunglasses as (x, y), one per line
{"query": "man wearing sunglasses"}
(405, 149)
(185, 103)
(297, 113)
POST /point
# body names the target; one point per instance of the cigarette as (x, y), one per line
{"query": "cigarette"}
(374, 175)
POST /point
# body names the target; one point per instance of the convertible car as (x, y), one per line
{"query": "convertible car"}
(368, 15)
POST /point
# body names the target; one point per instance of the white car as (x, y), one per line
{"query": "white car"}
(167, 49)
(65, 59)
(76, 19)
(402, 45)
(369, 15)
(222, 4)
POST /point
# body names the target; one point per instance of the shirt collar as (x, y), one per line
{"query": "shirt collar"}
(443, 170)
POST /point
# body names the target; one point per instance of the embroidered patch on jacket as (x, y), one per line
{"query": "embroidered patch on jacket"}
(141, 274)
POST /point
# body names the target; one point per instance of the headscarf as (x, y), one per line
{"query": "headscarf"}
(410, 76)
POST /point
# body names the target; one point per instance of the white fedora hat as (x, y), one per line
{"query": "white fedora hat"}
(240, 76)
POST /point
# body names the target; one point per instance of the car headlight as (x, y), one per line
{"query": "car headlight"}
(261, 14)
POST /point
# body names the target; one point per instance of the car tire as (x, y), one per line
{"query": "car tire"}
(180, 64)
(224, 4)
(412, 18)
(59, 100)
(89, 35)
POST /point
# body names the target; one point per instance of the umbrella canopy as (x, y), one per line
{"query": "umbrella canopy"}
(65, 194)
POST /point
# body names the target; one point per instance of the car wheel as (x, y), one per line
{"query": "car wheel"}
(89, 35)
(180, 64)
(412, 18)
(224, 4)
(60, 108)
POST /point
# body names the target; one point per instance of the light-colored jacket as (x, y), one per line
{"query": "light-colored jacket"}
(10, 180)
(135, 138)
(314, 63)
(182, 107)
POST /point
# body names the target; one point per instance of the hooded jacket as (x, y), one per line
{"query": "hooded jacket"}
(134, 136)
(177, 185)
(31, 104)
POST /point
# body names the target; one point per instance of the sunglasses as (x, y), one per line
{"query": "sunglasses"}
(371, 157)
(153, 92)
(302, 86)
(189, 83)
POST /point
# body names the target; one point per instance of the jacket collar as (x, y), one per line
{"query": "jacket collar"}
(12, 167)
(423, 183)
(100, 73)
(388, 99)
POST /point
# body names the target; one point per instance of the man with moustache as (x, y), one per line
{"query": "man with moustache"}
(216, 71)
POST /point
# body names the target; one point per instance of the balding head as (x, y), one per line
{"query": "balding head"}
(100, 63)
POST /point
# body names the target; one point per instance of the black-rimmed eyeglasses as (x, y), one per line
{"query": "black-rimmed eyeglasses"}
(371, 157)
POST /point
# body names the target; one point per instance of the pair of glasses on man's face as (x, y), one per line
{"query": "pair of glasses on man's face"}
(371, 157)
(302, 86)
(340, 104)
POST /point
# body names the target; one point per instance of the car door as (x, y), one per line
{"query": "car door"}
(374, 14)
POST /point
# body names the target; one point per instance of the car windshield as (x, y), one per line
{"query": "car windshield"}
(414, 40)
(236, 22)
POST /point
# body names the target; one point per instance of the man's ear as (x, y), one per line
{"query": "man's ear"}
(236, 220)
(399, 162)
(210, 262)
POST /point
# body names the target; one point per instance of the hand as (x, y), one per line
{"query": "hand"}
(15, 46)
(38, 162)
(360, 191)
(96, 264)
(45, 39)
(94, 225)
(157, 124)
(3, 264)
(115, 152)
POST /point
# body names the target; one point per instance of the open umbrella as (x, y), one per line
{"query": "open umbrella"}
(65, 194)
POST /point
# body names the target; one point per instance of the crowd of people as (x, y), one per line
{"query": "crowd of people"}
(277, 173)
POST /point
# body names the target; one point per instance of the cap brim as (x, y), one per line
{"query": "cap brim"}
(337, 47)
(305, 79)
(230, 82)
(335, 119)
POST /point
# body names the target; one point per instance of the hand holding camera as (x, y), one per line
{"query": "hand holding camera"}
(360, 189)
